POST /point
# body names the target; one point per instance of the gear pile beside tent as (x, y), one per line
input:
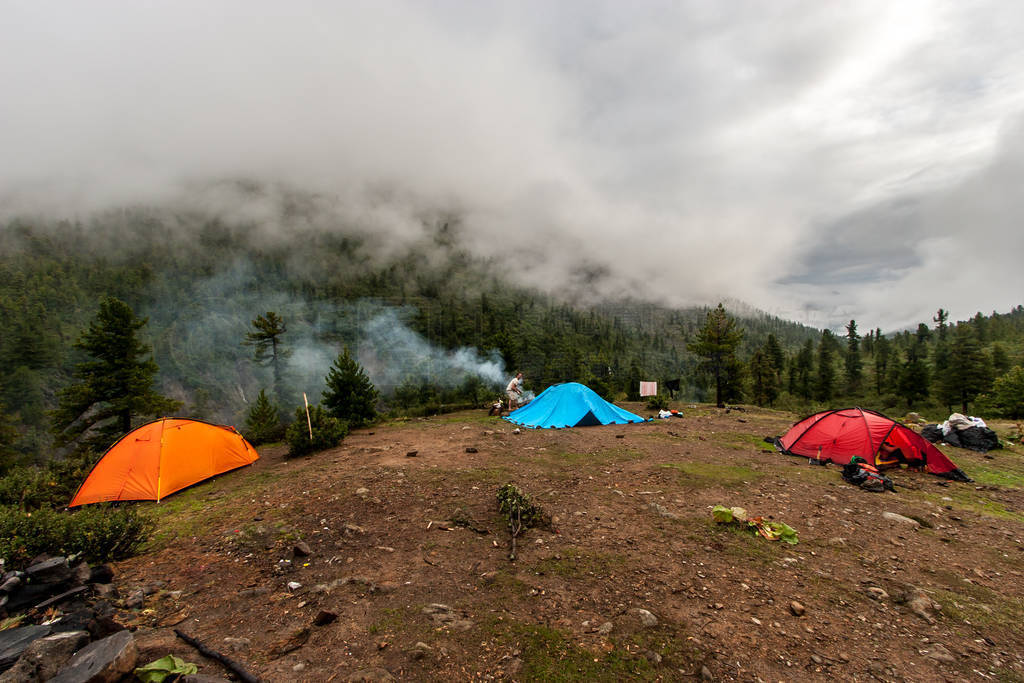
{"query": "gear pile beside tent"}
(963, 432)
(838, 435)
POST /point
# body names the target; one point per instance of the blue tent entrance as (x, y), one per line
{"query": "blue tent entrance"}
(570, 405)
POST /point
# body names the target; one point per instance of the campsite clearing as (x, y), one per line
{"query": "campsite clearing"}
(635, 581)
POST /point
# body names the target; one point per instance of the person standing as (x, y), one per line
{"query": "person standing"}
(514, 390)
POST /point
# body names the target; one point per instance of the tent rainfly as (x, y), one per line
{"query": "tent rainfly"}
(570, 405)
(838, 435)
(161, 458)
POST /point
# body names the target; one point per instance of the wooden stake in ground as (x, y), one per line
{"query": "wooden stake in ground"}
(309, 422)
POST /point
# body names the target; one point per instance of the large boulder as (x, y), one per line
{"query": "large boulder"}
(103, 661)
(44, 657)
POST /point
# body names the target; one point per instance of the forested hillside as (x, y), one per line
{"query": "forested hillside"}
(431, 324)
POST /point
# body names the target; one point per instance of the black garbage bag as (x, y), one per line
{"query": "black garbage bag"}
(932, 433)
(981, 439)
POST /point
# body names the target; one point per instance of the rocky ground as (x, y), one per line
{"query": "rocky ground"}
(386, 557)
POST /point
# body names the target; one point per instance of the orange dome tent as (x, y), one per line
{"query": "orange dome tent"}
(161, 458)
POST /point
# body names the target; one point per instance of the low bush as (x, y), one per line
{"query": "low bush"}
(99, 533)
(328, 432)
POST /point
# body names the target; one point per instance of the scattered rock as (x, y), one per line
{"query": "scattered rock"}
(470, 449)
(135, 599)
(302, 549)
(797, 609)
(705, 674)
(441, 614)
(363, 491)
(921, 605)
(44, 657)
(103, 660)
(412, 454)
(652, 657)
(294, 585)
(876, 593)
(517, 431)
(837, 542)
(419, 651)
(663, 511)
(14, 641)
(605, 628)
(939, 653)
(755, 621)
(238, 644)
(900, 519)
(53, 570)
(375, 675)
(646, 618)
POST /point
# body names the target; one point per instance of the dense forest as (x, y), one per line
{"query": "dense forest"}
(431, 324)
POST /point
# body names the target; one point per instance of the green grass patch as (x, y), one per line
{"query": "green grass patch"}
(577, 563)
(703, 475)
(969, 500)
(991, 476)
(548, 655)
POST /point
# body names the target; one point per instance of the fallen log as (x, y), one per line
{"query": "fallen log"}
(231, 664)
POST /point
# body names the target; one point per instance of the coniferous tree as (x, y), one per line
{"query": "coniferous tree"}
(824, 383)
(350, 395)
(970, 370)
(913, 379)
(763, 379)
(940, 323)
(852, 361)
(805, 371)
(773, 351)
(716, 344)
(1000, 360)
(268, 347)
(1007, 395)
(263, 423)
(115, 387)
(883, 355)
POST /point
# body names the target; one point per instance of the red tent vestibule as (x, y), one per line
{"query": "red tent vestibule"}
(838, 435)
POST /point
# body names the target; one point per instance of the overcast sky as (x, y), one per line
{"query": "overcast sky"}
(819, 160)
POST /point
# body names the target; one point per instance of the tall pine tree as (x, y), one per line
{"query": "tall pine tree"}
(115, 387)
(350, 395)
(716, 344)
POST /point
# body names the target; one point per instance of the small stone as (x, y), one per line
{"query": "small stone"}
(837, 542)
(900, 519)
(412, 454)
(517, 431)
(419, 651)
(817, 660)
(237, 644)
(939, 653)
(797, 609)
(302, 549)
(876, 593)
(470, 449)
(374, 675)
(362, 491)
(300, 666)
(605, 628)
(755, 621)
(294, 585)
(646, 617)
(135, 599)
(705, 674)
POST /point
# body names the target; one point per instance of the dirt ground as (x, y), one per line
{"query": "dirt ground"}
(398, 561)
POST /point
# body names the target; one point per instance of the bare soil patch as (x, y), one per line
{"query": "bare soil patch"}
(634, 581)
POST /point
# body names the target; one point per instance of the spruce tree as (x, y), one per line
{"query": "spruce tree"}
(716, 343)
(805, 370)
(115, 387)
(913, 379)
(1008, 394)
(350, 395)
(263, 423)
(854, 365)
(824, 384)
(970, 369)
(883, 355)
(763, 379)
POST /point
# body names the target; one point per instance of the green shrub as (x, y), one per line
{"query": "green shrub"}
(657, 403)
(100, 533)
(350, 395)
(327, 432)
(29, 487)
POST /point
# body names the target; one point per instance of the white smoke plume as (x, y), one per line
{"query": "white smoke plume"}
(393, 354)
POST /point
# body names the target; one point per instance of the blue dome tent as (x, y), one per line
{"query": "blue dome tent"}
(570, 405)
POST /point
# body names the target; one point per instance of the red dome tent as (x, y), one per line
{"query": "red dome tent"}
(838, 435)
